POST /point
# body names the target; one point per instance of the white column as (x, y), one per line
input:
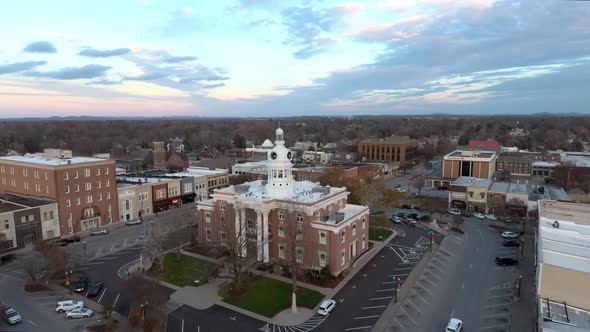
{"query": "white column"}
(259, 236)
(238, 231)
(244, 240)
(265, 235)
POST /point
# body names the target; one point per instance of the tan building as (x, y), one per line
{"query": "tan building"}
(469, 193)
(391, 149)
(85, 189)
(269, 218)
(135, 200)
(563, 264)
(216, 178)
(472, 163)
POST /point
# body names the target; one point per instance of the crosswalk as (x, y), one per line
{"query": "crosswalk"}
(308, 325)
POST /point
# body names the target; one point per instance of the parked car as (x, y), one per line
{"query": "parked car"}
(81, 285)
(407, 206)
(510, 243)
(454, 325)
(409, 221)
(79, 313)
(412, 215)
(453, 211)
(141, 236)
(506, 261)
(7, 259)
(133, 222)
(424, 217)
(479, 216)
(94, 289)
(509, 235)
(490, 216)
(466, 213)
(395, 219)
(10, 315)
(63, 306)
(401, 214)
(100, 231)
(61, 242)
(326, 307)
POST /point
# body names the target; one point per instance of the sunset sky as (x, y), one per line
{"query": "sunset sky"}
(284, 58)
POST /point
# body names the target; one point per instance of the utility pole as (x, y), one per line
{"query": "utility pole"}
(84, 245)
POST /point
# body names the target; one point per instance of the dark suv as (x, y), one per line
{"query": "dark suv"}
(81, 285)
(506, 261)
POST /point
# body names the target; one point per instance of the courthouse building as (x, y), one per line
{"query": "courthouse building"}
(273, 214)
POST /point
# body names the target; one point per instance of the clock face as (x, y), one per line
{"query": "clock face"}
(273, 155)
(289, 155)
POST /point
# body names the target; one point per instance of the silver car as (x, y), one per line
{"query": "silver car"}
(11, 316)
(79, 313)
(100, 231)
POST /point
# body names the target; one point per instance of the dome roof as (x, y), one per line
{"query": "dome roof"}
(267, 144)
(279, 131)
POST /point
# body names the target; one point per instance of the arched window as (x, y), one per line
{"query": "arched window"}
(127, 205)
(88, 212)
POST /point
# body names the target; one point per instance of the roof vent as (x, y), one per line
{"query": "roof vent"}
(556, 224)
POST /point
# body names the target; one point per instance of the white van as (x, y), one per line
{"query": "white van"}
(62, 306)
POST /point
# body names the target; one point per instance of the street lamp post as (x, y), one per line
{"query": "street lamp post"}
(84, 246)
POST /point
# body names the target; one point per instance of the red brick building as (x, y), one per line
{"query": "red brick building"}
(274, 216)
(85, 189)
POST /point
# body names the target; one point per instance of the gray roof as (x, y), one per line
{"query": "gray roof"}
(392, 140)
(511, 188)
(468, 181)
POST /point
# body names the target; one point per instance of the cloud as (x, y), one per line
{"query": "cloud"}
(94, 53)
(398, 30)
(20, 66)
(397, 5)
(40, 47)
(175, 59)
(73, 73)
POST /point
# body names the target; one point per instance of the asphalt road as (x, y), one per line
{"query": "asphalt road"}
(359, 303)
(462, 281)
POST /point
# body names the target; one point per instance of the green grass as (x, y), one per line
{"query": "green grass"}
(379, 234)
(267, 297)
(183, 273)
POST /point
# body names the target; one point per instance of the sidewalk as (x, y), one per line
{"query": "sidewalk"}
(524, 310)
(205, 296)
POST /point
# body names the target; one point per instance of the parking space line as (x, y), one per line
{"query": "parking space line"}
(498, 296)
(398, 275)
(493, 326)
(11, 277)
(403, 268)
(424, 278)
(436, 267)
(98, 251)
(367, 317)
(381, 298)
(498, 305)
(30, 321)
(388, 282)
(375, 307)
(424, 288)
(433, 274)
(81, 268)
(415, 306)
(114, 303)
(93, 263)
(44, 297)
(400, 324)
(125, 243)
(113, 246)
(497, 315)
(104, 291)
(421, 298)
(410, 317)
(385, 290)
(358, 328)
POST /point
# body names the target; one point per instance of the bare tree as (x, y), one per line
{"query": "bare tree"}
(33, 264)
(151, 296)
(418, 183)
(155, 239)
(235, 238)
(291, 227)
(56, 258)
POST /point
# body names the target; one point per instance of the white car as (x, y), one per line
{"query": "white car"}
(326, 307)
(453, 211)
(11, 316)
(395, 219)
(454, 325)
(509, 235)
(479, 216)
(490, 216)
(79, 313)
(63, 306)
(100, 231)
(133, 222)
(401, 190)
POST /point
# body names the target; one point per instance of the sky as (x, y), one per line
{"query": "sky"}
(265, 58)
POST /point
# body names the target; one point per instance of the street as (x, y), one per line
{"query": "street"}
(462, 281)
(359, 303)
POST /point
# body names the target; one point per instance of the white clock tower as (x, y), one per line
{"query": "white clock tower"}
(280, 180)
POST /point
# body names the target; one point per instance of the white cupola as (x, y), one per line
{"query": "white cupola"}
(280, 180)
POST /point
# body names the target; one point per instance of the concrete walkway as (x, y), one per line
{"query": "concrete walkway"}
(205, 296)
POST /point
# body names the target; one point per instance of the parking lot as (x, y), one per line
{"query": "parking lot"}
(462, 281)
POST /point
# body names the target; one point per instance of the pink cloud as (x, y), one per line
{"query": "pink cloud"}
(349, 9)
(401, 29)
(397, 5)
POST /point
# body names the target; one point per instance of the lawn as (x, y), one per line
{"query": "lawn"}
(379, 234)
(183, 273)
(267, 297)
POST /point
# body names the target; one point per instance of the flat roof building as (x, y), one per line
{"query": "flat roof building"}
(390, 149)
(471, 163)
(563, 265)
